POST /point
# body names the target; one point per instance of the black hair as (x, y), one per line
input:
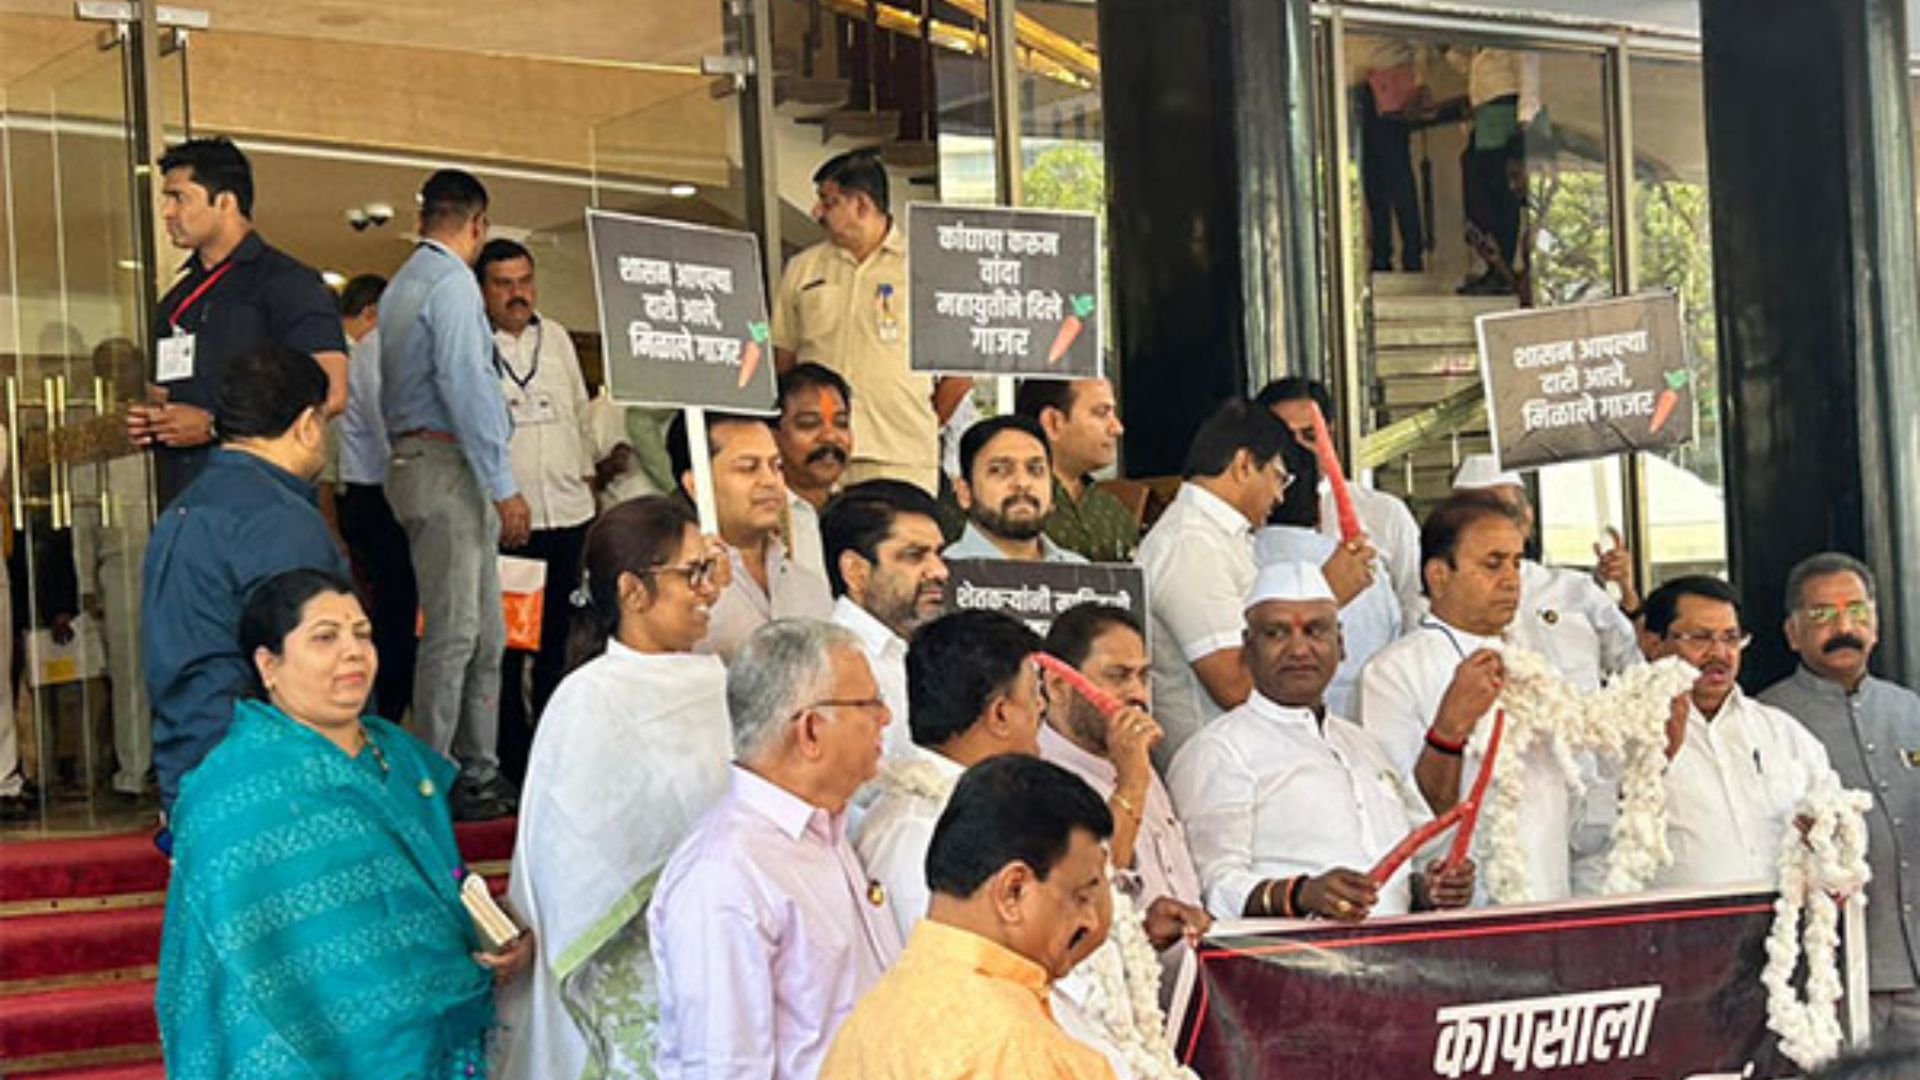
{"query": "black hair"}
(1296, 388)
(811, 376)
(632, 537)
(1440, 534)
(1822, 564)
(499, 249)
(1299, 505)
(956, 665)
(861, 518)
(450, 198)
(1036, 396)
(1010, 808)
(361, 292)
(217, 165)
(1072, 635)
(982, 432)
(272, 610)
(262, 392)
(1233, 427)
(856, 170)
(1663, 604)
(680, 448)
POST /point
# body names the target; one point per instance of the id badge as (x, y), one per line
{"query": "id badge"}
(175, 361)
(533, 409)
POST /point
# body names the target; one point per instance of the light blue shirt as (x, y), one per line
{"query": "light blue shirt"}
(1369, 623)
(363, 434)
(436, 363)
(973, 544)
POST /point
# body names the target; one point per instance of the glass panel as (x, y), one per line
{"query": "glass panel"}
(82, 503)
(1062, 156)
(1685, 502)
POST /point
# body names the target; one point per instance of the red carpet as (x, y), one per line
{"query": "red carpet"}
(80, 925)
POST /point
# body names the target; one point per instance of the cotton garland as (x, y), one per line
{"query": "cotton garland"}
(1126, 994)
(1824, 860)
(1623, 726)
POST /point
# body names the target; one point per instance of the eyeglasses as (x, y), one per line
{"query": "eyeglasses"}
(1737, 640)
(699, 572)
(1280, 471)
(863, 704)
(1856, 611)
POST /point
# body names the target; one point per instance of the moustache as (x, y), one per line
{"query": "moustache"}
(1013, 500)
(1843, 641)
(828, 452)
(518, 302)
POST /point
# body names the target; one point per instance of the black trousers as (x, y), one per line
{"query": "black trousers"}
(383, 569)
(1386, 176)
(560, 550)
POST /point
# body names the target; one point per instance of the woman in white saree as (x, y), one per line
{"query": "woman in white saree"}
(630, 751)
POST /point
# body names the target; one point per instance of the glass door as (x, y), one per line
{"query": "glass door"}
(78, 502)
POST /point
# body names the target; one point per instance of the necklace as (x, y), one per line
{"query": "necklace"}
(379, 755)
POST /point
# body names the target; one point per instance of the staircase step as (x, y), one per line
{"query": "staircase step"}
(91, 1018)
(1423, 390)
(80, 869)
(1393, 335)
(852, 124)
(1397, 284)
(1392, 308)
(77, 944)
(911, 154)
(1395, 363)
(486, 841)
(795, 92)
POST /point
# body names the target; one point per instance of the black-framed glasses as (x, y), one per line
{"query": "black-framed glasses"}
(1856, 611)
(863, 704)
(699, 572)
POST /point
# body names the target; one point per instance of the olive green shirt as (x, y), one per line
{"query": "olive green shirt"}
(1098, 526)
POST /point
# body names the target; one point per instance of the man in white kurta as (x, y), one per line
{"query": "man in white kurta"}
(1198, 559)
(1736, 767)
(1428, 698)
(597, 823)
(882, 544)
(765, 929)
(1287, 804)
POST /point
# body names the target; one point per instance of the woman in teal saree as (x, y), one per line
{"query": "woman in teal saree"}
(314, 926)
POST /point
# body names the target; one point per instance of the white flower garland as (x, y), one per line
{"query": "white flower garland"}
(1830, 859)
(1127, 1003)
(1623, 725)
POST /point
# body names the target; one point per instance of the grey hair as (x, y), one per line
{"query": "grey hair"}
(1822, 564)
(783, 666)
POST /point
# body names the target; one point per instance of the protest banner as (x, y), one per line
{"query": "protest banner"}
(998, 291)
(1587, 380)
(1037, 593)
(1650, 987)
(683, 322)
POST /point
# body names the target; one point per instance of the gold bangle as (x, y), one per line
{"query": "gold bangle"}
(1266, 896)
(1127, 805)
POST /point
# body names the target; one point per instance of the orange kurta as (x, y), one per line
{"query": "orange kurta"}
(958, 1007)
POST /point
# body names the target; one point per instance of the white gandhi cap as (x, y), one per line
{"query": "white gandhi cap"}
(1480, 471)
(1289, 581)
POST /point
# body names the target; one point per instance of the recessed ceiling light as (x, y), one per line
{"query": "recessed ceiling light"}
(334, 278)
(682, 191)
(129, 264)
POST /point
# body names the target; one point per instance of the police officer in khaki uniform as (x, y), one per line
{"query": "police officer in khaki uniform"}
(842, 303)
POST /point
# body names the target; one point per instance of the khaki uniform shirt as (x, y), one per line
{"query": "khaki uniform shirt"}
(852, 317)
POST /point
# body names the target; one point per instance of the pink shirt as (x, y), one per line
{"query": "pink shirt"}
(1161, 858)
(765, 930)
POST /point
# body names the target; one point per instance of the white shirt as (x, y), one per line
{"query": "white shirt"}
(1267, 792)
(1370, 621)
(764, 933)
(894, 834)
(792, 592)
(1400, 692)
(1199, 567)
(607, 422)
(552, 444)
(1394, 534)
(887, 657)
(1565, 616)
(1161, 859)
(803, 535)
(1731, 791)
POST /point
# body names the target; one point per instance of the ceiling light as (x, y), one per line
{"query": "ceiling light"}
(334, 279)
(682, 191)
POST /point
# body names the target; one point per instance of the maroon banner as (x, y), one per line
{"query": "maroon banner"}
(1637, 989)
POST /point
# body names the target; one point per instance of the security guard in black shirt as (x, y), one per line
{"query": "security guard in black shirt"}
(236, 293)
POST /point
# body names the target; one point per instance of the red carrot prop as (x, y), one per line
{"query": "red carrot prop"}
(750, 354)
(1070, 328)
(1336, 476)
(1669, 399)
(1106, 703)
(1465, 814)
